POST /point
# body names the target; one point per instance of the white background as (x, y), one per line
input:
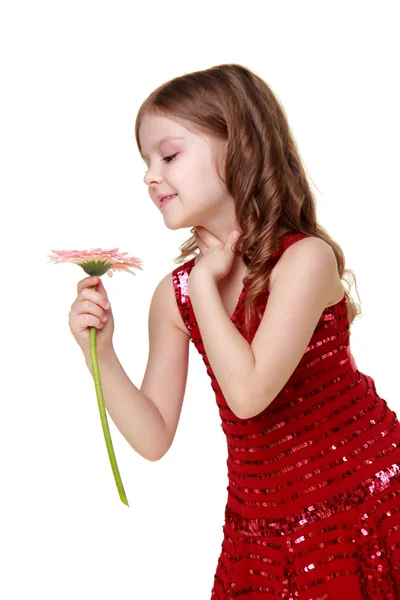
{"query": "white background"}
(73, 75)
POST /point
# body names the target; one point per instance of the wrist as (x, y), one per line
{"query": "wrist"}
(198, 282)
(101, 354)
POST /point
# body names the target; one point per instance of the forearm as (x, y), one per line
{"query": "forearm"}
(135, 415)
(230, 355)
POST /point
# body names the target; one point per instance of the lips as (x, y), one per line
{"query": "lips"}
(166, 200)
(159, 197)
(169, 196)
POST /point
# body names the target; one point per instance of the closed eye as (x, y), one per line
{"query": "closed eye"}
(172, 156)
(167, 157)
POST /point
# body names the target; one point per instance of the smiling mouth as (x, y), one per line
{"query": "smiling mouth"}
(167, 200)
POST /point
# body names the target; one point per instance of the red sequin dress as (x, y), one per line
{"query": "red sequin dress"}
(314, 480)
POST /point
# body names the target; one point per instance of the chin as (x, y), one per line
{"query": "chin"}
(178, 225)
(172, 228)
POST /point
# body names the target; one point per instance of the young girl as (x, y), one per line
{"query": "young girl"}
(313, 450)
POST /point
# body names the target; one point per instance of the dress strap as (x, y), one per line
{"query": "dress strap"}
(286, 240)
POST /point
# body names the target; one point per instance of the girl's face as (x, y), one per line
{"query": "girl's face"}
(186, 167)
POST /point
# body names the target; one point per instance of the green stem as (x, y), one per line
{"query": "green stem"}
(103, 415)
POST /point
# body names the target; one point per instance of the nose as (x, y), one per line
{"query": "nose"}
(149, 177)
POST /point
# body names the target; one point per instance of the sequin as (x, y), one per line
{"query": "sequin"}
(313, 508)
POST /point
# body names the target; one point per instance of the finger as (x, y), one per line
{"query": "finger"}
(101, 287)
(230, 245)
(88, 281)
(234, 238)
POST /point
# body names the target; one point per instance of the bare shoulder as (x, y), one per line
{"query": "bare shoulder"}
(315, 252)
(309, 245)
(301, 249)
(172, 311)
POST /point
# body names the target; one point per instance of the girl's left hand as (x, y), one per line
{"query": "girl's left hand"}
(217, 258)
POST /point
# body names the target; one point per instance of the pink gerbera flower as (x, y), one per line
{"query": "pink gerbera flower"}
(97, 262)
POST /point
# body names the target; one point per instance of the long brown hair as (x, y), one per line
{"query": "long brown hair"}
(263, 169)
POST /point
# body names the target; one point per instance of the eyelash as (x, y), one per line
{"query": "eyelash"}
(165, 159)
(171, 156)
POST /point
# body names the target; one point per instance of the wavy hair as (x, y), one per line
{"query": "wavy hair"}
(263, 170)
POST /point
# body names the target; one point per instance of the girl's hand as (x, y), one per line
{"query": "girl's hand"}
(90, 309)
(217, 258)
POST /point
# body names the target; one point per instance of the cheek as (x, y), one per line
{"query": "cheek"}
(197, 180)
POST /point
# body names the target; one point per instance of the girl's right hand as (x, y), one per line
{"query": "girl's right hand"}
(89, 310)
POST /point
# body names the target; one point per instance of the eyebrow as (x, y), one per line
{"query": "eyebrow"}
(164, 139)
